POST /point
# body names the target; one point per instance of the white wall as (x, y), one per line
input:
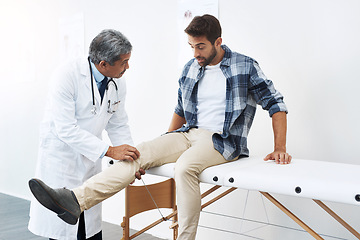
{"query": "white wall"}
(309, 49)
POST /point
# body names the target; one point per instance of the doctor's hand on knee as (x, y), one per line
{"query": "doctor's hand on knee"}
(123, 152)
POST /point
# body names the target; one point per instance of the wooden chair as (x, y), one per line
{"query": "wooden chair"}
(138, 200)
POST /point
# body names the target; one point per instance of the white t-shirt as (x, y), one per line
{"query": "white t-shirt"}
(211, 99)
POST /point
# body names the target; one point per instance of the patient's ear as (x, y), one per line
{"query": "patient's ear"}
(218, 42)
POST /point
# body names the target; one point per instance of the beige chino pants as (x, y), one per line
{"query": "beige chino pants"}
(192, 151)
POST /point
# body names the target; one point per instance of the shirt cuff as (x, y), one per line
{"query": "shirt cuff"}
(179, 112)
(103, 154)
(280, 107)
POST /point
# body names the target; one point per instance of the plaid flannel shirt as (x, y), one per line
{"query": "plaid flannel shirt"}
(246, 86)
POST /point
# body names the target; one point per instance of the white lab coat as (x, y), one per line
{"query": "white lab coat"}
(71, 145)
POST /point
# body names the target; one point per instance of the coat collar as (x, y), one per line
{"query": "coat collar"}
(84, 69)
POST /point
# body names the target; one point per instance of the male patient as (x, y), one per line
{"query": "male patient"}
(217, 97)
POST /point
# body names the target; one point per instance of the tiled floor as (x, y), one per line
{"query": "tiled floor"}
(14, 217)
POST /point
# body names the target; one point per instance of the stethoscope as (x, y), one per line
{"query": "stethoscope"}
(112, 105)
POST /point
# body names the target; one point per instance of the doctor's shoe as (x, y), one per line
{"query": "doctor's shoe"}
(61, 200)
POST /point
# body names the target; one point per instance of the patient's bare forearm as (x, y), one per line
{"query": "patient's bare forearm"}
(176, 122)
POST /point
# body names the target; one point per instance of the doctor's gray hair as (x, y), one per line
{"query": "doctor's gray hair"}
(108, 46)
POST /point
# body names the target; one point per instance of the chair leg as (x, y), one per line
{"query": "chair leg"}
(175, 229)
(126, 229)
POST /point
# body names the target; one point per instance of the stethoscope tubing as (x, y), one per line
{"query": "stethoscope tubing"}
(92, 87)
(92, 84)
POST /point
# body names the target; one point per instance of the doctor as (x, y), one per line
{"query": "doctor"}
(86, 97)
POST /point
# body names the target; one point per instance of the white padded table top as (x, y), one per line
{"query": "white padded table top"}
(207, 176)
(319, 180)
(166, 170)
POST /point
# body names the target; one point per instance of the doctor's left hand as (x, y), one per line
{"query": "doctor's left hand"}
(123, 152)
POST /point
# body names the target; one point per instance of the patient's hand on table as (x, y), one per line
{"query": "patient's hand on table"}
(280, 157)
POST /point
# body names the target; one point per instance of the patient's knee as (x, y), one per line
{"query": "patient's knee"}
(185, 170)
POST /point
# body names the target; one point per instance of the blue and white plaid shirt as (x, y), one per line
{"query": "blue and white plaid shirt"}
(246, 86)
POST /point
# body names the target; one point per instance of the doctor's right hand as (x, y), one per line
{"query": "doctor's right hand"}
(123, 152)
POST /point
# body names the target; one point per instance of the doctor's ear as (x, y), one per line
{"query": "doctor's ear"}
(103, 64)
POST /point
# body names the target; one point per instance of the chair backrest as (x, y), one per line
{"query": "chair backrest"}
(138, 200)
